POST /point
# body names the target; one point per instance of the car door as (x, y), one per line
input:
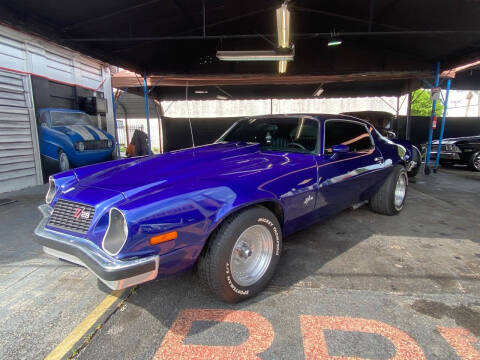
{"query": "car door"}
(295, 143)
(345, 178)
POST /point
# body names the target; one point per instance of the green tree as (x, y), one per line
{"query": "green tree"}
(422, 105)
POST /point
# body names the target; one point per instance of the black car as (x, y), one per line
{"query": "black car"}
(461, 150)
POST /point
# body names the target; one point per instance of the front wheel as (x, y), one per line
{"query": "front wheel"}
(64, 163)
(390, 198)
(242, 254)
(475, 161)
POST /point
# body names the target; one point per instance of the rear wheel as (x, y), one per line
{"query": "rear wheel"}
(63, 162)
(242, 254)
(475, 161)
(390, 198)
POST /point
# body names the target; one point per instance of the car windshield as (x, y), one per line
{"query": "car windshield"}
(286, 134)
(60, 118)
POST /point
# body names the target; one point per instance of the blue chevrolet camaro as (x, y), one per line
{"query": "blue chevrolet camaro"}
(68, 139)
(224, 207)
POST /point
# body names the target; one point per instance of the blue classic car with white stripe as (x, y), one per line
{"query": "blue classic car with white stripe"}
(68, 139)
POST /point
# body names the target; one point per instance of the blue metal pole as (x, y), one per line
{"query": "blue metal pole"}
(430, 129)
(147, 113)
(442, 128)
(114, 105)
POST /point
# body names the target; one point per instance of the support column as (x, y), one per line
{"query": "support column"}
(409, 112)
(114, 106)
(147, 113)
(442, 128)
(430, 128)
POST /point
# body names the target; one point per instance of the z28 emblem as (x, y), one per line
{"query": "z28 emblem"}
(81, 213)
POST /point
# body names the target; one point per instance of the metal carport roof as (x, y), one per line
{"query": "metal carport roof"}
(179, 37)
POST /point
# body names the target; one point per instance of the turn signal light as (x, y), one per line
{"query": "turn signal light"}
(158, 239)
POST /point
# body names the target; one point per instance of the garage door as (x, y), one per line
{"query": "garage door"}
(19, 159)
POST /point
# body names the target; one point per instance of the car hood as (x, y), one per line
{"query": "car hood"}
(82, 132)
(182, 168)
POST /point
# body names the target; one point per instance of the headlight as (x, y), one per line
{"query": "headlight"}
(52, 190)
(117, 232)
(110, 143)
(80, 146)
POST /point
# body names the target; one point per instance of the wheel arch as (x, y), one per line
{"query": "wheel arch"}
(271, 204)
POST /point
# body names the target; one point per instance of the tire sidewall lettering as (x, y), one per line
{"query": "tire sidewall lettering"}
(274, 230)
(276, 253)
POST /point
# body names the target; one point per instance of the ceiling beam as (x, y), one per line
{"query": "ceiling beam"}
(310, 35)
(108, 15)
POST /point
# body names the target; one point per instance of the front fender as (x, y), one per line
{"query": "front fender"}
(51, 141)
(193, 214)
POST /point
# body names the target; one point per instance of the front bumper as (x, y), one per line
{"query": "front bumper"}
(116, 274)
(444, 155)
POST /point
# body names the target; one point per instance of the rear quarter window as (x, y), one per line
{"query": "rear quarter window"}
(351, 133)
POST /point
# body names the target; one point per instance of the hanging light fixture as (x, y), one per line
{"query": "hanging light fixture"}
(335, 40)
(284, 53)
(283, 33)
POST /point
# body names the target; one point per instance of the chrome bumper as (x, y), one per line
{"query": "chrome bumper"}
(445, 155)
(116, 274)
(411, 165)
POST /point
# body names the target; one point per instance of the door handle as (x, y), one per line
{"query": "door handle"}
(378, 160)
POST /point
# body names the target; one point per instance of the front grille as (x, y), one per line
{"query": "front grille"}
(72, 216)
(96, 144)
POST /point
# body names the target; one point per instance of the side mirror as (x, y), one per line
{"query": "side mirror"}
(340, 148)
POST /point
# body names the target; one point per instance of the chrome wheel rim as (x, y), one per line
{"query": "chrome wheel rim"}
(251, 255)
(64, 165)
(476, 162)
(400, 190)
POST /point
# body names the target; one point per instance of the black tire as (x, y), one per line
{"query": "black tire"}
(383, 202)
(63, 161)
(474, 161)
(214, 264)
(414, 172)
(417, 157)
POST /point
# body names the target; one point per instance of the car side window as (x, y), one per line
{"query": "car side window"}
(353, 134)
(286, 134)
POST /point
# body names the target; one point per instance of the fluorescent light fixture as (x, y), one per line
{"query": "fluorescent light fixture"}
(319, 91)
(257, 55)
(221, 97)
(201, 92)
(283, 54)
(335, 42)
(283, 34)
(283, 26)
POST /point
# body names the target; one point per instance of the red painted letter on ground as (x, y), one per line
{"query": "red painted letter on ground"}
(462, 341)
(315, 346)
(259, 340)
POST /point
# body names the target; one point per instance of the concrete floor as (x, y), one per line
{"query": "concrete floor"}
(376, 285)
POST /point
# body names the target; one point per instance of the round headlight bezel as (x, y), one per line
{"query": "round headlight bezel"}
(117, 232)
(81, 146)
(52, 190)
(110, 143)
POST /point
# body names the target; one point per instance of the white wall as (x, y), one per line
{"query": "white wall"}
(28, 54)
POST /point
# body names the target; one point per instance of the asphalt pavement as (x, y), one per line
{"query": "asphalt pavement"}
(356, 285)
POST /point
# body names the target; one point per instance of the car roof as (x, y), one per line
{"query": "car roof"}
(318, 116)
